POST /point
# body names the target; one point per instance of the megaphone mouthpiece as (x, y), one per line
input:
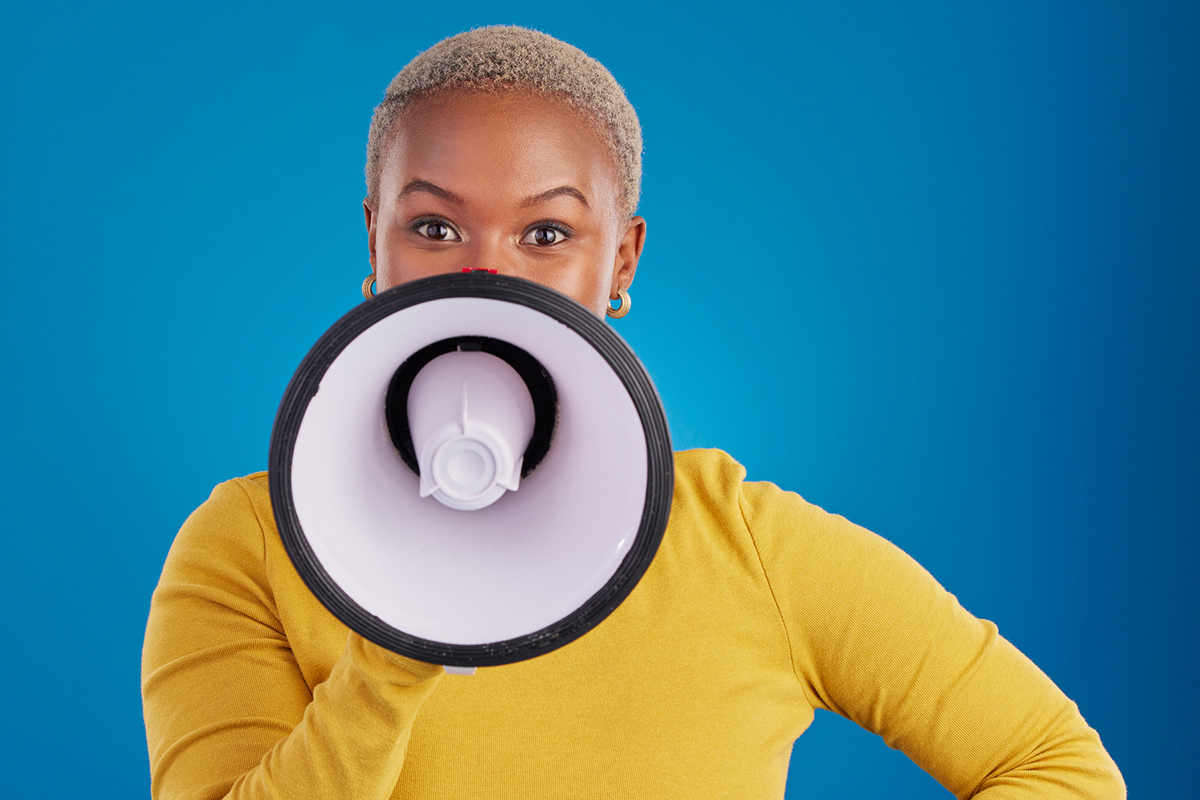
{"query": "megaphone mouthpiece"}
(470, 417)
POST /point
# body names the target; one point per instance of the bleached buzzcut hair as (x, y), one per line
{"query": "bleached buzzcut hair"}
(506, 58)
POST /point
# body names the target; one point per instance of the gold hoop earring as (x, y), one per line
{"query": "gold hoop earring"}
(622, 309)
(369, 286)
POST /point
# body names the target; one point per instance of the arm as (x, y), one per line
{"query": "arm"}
(876, 639)
(228, 711)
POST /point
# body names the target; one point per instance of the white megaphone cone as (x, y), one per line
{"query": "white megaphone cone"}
(471, 470)
(471, 418)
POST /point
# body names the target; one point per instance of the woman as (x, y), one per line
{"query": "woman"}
(507, 149)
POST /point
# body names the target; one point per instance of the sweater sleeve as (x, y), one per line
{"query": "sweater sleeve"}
(876, 639)
(228, 712)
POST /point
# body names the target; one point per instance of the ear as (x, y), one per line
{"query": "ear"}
(629, 250)
(369, 213)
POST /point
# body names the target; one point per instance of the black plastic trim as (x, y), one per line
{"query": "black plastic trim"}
(537, 380)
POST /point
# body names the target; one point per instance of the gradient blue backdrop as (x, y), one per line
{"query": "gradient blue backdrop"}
(935, 268)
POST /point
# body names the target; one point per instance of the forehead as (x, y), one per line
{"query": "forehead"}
(513, 143)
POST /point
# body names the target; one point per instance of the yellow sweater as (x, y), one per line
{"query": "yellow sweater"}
(758, 609)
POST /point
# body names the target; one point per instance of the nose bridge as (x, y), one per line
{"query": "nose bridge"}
(492, 250)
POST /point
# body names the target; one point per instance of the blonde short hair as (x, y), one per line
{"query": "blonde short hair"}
(507, 58)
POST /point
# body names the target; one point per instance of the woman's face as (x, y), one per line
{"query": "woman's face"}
(512, 182)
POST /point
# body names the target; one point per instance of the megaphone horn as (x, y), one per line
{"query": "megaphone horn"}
(471, 470)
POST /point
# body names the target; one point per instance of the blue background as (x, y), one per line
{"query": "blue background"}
(935, 268)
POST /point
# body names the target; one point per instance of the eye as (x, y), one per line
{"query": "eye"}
(544, 234)
(437, 229)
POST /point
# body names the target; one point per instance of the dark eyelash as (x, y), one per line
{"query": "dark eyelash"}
(419, 221)
(557, 226)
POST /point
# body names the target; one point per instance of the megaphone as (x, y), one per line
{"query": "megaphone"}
(471, 470)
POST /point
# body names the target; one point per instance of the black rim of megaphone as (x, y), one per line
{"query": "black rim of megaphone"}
(660, 474)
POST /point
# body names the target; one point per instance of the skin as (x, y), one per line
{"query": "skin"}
(514, 182)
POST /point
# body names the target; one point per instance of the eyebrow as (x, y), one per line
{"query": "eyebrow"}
(437, 191)
(431, 188)
(561, 191)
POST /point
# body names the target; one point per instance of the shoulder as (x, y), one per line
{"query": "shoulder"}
(708, 463)
(233, 504)
(708, 485)
(713, 480)
(226, 533)
(253, 489)
(715, 504)
(707, 478)
(784, 530)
